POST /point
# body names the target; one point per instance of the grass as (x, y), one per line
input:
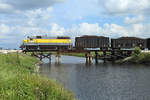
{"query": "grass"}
(138, 57)
(142, 58)
(81, 54)
(18, 81)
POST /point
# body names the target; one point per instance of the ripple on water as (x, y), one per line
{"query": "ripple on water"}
(102, 81)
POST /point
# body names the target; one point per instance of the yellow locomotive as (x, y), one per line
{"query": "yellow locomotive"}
(46, 43)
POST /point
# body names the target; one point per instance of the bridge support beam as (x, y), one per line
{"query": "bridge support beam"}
(88, 58)
(104, 53)
(57, 57)
(41, 56)
(112, 56)
(96, 57)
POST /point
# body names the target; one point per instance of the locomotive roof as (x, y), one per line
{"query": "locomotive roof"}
(127, 38)
(49, 37)
(91, 36)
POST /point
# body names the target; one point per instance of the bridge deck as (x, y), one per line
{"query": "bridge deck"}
(114, 54)
(75, 51)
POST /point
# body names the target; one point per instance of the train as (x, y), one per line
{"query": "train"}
(84, 43)
(46, 43)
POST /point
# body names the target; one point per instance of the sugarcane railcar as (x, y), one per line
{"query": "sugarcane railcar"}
(85, 42)
(148, 43)
(128, 43)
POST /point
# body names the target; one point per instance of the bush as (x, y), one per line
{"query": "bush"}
(137, 51)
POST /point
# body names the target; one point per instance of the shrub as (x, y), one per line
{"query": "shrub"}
(137, 51)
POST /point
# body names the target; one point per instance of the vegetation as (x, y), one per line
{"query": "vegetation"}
(138, 57)
(18, 81)
(137, 51)
(81, 54)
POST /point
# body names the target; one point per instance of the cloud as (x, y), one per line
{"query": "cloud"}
(86, 28)
(114, 30)
(134, 20)
(138, 29)
(6, 8)
(39, 16)
(4, 29)
(56, 30)
(11, 6)
(15, 34)
(120, 7)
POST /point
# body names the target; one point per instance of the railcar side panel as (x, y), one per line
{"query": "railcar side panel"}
(91, 42)
(148, 43)
(128, 43)
(44, 43)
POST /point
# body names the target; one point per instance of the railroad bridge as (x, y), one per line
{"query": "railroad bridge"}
(111, 49)
(106, 55)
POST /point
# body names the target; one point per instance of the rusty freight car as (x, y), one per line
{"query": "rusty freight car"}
(85, 42)
(128, 43)
(148, 43)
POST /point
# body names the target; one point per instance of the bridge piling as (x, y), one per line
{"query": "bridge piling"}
(50, 58)
(104, 53)
(88, 58)
(96, 57)
(57, 57)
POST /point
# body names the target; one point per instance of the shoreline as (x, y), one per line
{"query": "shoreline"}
(20, 80)
(141, 58)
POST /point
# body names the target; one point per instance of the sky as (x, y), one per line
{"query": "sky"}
(110, 18)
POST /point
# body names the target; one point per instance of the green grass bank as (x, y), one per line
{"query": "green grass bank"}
(142, 58)
(138, 57)
(18, 81)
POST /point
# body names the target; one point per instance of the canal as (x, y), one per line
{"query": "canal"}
(100, 82)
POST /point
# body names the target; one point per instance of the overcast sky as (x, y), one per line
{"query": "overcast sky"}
(113, 18)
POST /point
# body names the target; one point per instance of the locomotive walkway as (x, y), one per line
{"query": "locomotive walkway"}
(108, 55)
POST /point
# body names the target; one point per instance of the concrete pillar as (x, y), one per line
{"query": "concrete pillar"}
(50, 58)
(57, 57)
(40, 57)
(104, 52)
(96, 57)
(112, 56)
(56, 60)
(88, 58)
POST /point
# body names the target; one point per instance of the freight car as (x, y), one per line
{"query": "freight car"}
(46, 43)
(148, 43)
(86, 42)
(128, 43)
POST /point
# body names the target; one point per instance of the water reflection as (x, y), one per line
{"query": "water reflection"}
(102, 81)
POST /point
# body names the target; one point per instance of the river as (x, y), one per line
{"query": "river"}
(100, 82)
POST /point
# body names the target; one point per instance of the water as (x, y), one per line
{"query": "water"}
(100, 82)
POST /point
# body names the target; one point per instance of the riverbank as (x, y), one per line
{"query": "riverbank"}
(141, 58)
(18, 80)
